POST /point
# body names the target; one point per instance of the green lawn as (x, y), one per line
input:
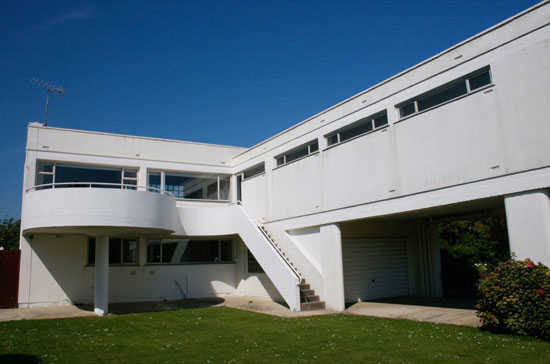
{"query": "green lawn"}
(222, 335)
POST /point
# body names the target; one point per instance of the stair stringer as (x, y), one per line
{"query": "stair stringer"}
(233, 219)
(302, 263)
(281, 275)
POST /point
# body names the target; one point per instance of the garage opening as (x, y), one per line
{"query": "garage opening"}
(375, 268)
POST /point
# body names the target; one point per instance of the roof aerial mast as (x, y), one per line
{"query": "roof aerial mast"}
(49, 89)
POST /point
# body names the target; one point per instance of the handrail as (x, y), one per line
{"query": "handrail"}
(123, 186)
(285, 259)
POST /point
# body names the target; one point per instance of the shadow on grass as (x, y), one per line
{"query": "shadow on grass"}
(19, 359)
(139, 307)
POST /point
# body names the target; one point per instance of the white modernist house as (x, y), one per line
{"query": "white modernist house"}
(338, 208)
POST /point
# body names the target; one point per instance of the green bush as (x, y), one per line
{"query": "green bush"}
(515, 298)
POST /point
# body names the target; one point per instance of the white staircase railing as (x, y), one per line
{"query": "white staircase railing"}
(270, 240)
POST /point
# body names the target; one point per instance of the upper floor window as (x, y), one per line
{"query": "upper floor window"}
(253, 171)
(190, 186)
(61, 175)
(452, 90)
(358, 128)
(297, 153)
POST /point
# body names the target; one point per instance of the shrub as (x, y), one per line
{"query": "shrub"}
(515, 298)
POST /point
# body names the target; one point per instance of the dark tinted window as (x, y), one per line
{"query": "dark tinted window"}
(442, 96)
(254, 171)
(480, 80)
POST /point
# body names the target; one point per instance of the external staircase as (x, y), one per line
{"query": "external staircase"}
(308, 299)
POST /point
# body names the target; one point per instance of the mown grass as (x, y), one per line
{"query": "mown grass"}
(221, 335)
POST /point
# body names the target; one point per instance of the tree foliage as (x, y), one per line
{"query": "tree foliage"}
(479, 241)
(467, 245)
(9, 233)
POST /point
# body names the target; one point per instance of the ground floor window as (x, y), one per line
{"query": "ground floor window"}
(253, 265)
(121, 251)
(178, 251)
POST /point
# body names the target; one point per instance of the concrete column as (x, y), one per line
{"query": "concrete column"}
(528, 219)
(142, 177)
(332, 267)
(233, 188)
(142, 250)
(101, 292)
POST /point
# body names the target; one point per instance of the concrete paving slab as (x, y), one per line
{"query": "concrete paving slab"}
(46, 312)
(442, 315)
(454, 316)
(268, 307)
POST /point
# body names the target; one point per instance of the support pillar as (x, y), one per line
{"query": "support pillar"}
(437, 284)
(101, 291)
(332, 267)
(528, 220)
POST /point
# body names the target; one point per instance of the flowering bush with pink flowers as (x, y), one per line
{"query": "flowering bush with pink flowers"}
(515, 298)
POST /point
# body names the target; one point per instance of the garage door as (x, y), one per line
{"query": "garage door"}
(375, 268)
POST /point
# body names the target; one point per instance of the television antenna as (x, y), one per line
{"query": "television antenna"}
(49, 89)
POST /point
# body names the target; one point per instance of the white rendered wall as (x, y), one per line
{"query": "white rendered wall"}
(528, 220)
(57, 274)
(253, 196)
(98, 207)
(495, 132)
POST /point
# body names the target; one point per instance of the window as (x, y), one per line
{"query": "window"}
(297, 153)
(129, 179)
(121, 251)
(181, 251)
(190, 186)
(253, 265)
(253, 171)
(448, 92)
(57, 175)
(358, 128)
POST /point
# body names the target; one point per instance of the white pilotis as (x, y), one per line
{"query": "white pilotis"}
(528, 219)
(333, 270)
(101, 292)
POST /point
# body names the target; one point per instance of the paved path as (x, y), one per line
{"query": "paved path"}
(452, 316)
(442, 315)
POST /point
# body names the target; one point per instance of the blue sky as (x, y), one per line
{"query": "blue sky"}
(224, 72)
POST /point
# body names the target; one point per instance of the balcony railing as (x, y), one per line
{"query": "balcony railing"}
(122, 186)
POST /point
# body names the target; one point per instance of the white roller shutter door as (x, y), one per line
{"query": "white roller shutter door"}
(374, 268)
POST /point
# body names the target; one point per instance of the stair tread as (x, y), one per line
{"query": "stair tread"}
(309, 306)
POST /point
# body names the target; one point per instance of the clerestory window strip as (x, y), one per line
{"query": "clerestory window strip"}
(297, 153)
(448, 92)
(357, 128)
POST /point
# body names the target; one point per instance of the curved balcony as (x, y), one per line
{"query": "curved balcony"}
(98, 208)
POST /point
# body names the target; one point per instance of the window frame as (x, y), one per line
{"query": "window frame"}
(442, 88)
(260, 171)
(171, 240)
(216, 178)
(363, 121)
(122, 239)
(311, 148)
(122, 184)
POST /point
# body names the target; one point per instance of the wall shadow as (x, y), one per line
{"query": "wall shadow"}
(123, 308)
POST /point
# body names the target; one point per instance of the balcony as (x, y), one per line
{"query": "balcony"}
(98, 208)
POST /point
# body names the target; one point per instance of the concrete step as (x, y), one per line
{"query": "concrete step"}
(315, 298)
(307, 292)
(309, 306)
